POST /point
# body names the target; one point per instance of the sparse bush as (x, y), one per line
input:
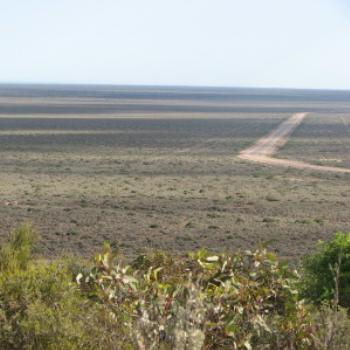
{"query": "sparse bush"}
(331, 328)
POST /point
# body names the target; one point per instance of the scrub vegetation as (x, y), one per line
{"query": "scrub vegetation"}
(245, 300)
(157, 168)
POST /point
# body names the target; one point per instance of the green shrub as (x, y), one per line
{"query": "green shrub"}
(41, 306)
(16, 253)
(328, 269)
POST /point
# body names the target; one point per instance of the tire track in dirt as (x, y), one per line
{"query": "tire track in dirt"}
(263, 150)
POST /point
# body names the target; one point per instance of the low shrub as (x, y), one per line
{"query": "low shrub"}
(331, 328)
(16, 253)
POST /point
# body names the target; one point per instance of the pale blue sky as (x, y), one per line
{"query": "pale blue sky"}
(272, 43)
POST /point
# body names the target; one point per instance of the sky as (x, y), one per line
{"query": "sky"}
(240, 43)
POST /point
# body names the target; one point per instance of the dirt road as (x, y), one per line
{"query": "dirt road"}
(263, 150)
(346, 123)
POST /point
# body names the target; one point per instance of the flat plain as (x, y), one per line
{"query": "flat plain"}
(157, 168)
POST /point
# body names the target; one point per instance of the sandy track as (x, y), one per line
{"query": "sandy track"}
(263, 150)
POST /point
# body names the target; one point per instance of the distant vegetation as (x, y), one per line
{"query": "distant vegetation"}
(247, 300)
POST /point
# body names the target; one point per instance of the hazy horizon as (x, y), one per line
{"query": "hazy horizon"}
(235, 44)
(164, 86)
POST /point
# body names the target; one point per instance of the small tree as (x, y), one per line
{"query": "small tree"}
(319, 271)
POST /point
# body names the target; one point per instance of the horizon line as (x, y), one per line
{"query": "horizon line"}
(251, 87)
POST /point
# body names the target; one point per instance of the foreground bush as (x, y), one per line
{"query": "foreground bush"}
(41, 307)
(327, 271)
(246, 301)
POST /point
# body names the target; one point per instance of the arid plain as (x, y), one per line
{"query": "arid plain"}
(158, 168)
